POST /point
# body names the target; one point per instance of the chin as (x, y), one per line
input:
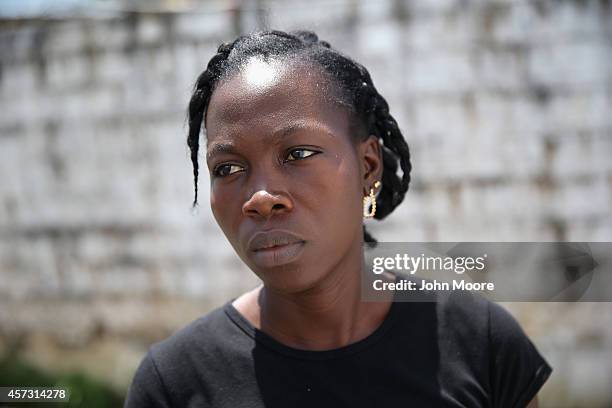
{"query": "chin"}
(291, 279)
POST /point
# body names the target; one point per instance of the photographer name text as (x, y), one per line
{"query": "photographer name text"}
(380, 285)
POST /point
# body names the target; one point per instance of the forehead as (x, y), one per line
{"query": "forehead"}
(265, 92)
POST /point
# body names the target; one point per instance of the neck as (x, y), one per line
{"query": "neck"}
(326, 316)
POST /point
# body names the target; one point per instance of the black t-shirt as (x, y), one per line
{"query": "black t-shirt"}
(459, 351)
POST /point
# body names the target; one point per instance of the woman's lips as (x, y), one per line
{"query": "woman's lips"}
(278, 255)
(274, 248)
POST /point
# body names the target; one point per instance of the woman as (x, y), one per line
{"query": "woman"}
(297, 135)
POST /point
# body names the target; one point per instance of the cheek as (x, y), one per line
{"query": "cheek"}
(222, 204)
(334, 197)
(345, 203)
(216, 208)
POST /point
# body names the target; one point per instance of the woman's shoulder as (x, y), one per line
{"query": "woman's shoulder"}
(482, 337)
(460, 312)
(204, 332)
(464, 322)
(199, 345)
(466, 310)
(170, 365)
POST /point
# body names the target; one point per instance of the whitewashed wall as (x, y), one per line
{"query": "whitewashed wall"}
(505, 104)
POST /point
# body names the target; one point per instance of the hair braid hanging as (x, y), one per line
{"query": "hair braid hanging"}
(198, 104)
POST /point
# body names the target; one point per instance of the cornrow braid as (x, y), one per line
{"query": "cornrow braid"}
(355, 91)
(395, 149)
(379, 122)
(199, 104)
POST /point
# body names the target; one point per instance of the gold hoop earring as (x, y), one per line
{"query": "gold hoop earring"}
(372, 202)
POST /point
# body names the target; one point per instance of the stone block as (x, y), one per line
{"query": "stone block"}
(203, 26)
(436, 72)
(570, 65)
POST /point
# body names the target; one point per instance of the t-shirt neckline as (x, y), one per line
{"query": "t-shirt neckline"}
(271, 343)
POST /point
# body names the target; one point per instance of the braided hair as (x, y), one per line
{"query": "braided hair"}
(353, 89)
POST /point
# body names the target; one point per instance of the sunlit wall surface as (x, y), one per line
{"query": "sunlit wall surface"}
(505, 105)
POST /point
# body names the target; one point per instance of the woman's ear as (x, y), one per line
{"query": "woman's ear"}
(370, 156)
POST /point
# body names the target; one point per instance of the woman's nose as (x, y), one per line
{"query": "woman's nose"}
(264, 204)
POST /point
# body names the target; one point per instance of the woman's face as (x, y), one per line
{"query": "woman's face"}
(287, 180)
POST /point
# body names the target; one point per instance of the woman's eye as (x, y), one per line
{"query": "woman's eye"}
(298, 154)
(226, 170)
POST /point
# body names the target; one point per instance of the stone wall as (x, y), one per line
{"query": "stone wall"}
(505, 104)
